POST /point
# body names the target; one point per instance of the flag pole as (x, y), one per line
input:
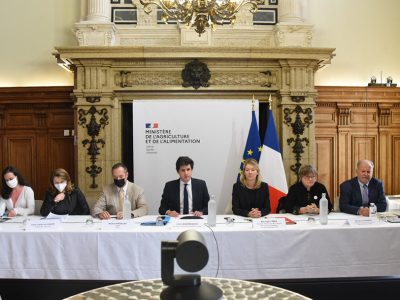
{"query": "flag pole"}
(253, 103)
(270, 102)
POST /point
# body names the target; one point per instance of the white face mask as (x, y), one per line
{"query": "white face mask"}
(12, 183)
(60, 186)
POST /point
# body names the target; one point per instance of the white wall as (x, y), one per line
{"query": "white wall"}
(364, 32)
(29, 30)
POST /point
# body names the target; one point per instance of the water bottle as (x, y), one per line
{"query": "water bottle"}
(212, 212)
(323, 210)
(127, 208)
(372, 210)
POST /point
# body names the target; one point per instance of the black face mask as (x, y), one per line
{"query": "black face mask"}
(119, 182)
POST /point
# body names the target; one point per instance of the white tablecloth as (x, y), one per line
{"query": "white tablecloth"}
(304, 250)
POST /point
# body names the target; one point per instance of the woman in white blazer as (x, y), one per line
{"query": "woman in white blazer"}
(16, 197)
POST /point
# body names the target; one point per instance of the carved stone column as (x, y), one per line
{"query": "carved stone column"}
(98, 140)
(291, 29)
(96, 29)
(297, 113)
(97, 126)
(98, 11)
(290, 11)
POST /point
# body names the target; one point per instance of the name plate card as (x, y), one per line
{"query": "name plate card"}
(114, 224)
(262, 223)
(189, 223)
(362, 222)
(42, 225)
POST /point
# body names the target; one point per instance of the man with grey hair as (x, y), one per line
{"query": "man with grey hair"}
(357, 193)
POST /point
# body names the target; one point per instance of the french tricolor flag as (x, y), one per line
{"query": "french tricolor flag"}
(271, 165)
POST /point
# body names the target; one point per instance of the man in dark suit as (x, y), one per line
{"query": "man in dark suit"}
(186, 194)
(357, 193)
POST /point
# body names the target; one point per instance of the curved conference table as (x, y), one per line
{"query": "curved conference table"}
(151, 290)
(349, 246)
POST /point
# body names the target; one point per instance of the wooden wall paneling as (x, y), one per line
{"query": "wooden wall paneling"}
(21, 153)
(41, 112)
(364, 147)
(325, 163)
(344, 165)
(42, 171)
(32, 123)
(368, 126)
(61, 154)
(3, 147)
(395, 162)
(364, 116)
(384, 151)
(326, 146)
(344, 168)
(21, 118)
(60, 146)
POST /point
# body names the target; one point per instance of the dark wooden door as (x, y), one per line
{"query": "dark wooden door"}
(36, 127)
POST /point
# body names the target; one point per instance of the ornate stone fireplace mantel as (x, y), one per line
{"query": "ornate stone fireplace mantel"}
(105, 77)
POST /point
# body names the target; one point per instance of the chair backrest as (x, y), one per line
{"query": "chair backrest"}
(336, 207)
(281, 209)
(38, 205)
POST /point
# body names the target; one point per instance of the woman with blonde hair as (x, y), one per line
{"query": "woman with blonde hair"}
(62, 197)
(250, 196)
(303, 196)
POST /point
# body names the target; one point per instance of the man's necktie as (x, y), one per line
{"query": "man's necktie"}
(185, 200)
(364, 195)
(120, 199)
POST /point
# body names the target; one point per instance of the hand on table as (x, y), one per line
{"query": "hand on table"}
(254, 213)
(120, 215)
(364, 211)
(312, 209)
(12, 213)
(105, 215)
(172, 213)
(197, 213)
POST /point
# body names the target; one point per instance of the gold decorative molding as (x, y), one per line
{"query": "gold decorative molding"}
(126, 79)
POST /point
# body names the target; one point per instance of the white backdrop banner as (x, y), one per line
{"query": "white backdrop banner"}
(211, 132)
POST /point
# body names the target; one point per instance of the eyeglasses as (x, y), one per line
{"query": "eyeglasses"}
(312, 177)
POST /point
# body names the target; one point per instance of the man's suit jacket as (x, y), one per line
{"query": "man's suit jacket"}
(108, 200)
(350, 195)
(170, 199)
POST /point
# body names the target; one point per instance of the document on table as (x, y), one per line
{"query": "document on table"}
(42, 224)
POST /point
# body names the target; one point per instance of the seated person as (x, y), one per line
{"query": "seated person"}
(303, 196)
(111, 200)
(186, 194)
(250, 196)
(62, 197)
(16, 197)
(358, 193)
